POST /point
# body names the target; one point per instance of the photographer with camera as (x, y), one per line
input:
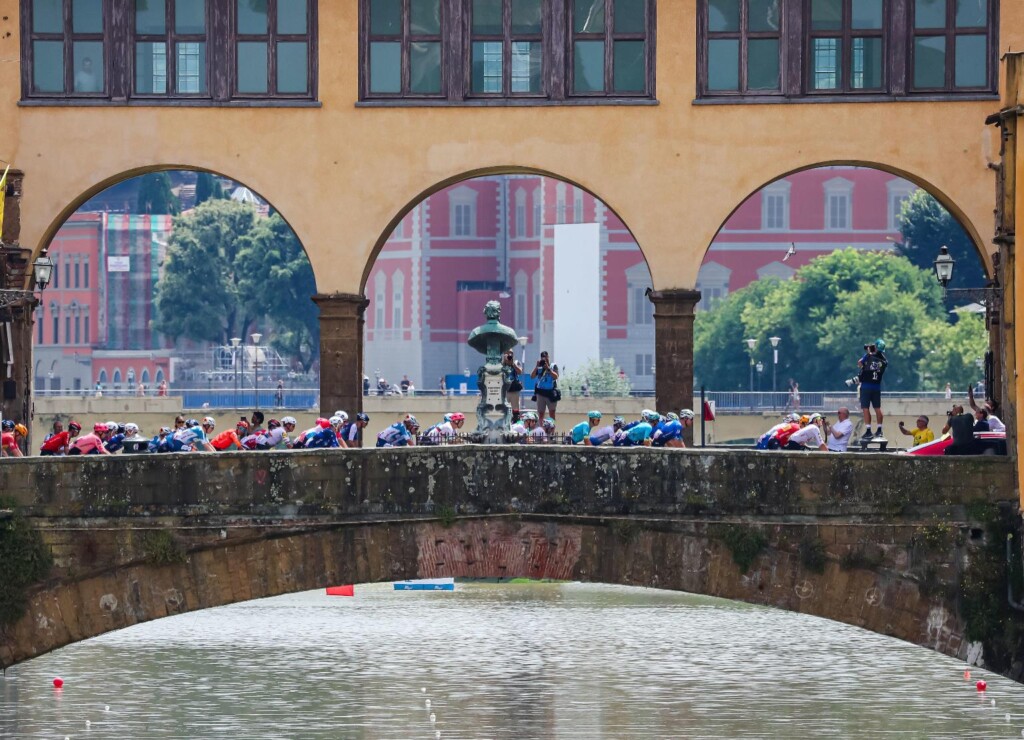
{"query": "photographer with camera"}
(513, 370)
(961, 426)
(546, 390)
(872, 367)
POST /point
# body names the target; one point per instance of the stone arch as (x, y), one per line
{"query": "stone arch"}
(944, 199)
(462, 177)
(54, 225)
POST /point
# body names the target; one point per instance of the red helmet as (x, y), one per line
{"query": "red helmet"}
(458, 416)
(99, 428)
(74, 426)
(243, 424)
(323, 423)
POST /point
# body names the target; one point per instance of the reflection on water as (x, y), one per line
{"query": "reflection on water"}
(500, 661)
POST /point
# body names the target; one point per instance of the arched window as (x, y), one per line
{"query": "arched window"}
(536, 306)
(538, 210)
(117, 377)
(520, 213)
(55, 317)
(145, 376)
(519, 286)
(102, 379)
(380, 286)
(713, 284)
(39, 323)
(397, 302)
(85, 321)
(159, 376)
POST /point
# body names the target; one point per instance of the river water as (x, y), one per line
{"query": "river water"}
(501, 661)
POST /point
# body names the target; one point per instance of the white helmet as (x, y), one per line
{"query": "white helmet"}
(342, 414)
(209, 422)
(112, 426)
(131, 429)
(336, 420)
(289, 420)
(685, 413)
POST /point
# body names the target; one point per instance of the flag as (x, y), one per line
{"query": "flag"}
(709, 412)
(3, 196)
(349, 590)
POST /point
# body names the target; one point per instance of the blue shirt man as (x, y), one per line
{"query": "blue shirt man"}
(322, 439)
(581, 433)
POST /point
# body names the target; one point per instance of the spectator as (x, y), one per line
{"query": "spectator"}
(949, 392)
(515, 380)
(58, 427)
(404, 384)
(981, 421)
(366, 385)
(961, 426)
(443, 386)
(995, 423)
(872, 367)
(546, 391)
(279, 395)
(838, 435)
(162, 389)
(808, 436)
(99, 389)
(921, 434)
(141, 390)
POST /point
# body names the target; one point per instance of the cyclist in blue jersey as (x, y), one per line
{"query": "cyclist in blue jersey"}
(402, 434)
(580, 434)
(600, 436)
(115, 442)
(194, 436)
(351, 433)
(639, 434)
(324, 437)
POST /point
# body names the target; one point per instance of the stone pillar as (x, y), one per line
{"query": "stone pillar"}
(673, 350)
(15, 267)
(341, 351)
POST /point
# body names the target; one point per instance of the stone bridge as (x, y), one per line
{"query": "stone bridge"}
(908, 547)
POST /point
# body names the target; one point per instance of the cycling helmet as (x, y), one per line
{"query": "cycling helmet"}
(529, 416)
(458, 416)
(880, 344)
(805, 419)
(289, 420)
(672, 416)
(651, 415)
(411, 421)
(447, 417)
(242, 425)
(686, 414)
(342, 414)
(99, 428)
(548, 423)
(165, 430)
(112, 426)
(209, 422)
(814, 418)
(323, 423)
(21, 429)
(74, 426)
(618, 421)
(365, 418)
(8, 425)
(191, 423)
(594, 415)
(122, 429)
(131, 429)
(335, 421)
(273, 424)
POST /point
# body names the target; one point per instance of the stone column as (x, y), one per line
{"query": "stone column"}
(16, 390)
(341, 351)
(673, 350)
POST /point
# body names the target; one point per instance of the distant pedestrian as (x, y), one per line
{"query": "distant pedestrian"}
(443, 386)
(404, 384)
(949, 392)
(279, 396)
(140, 391)
(366, 385)
(99, 389)
(546, 390)
(794, 396)
(162, 389)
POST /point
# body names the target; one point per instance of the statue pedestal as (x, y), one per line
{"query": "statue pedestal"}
(492, 413)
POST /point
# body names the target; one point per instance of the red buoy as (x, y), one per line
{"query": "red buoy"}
(58, 683)
(967, 675)
(981, 686)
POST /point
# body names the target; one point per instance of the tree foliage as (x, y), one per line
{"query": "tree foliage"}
(155, 196)
(601, 376)
(926, 226)
(228, 272)
(835, 305)
(208, 188)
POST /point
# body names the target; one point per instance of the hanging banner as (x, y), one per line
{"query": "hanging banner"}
(118, 263)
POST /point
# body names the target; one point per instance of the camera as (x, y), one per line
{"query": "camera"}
(871, 348)
(852, 382)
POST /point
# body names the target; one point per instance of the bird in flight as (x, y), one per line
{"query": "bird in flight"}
(790, 252)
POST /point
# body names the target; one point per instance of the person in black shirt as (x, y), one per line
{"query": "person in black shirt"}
(872, 367)
(961, 426)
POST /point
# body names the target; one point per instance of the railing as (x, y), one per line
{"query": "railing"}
(741, 401)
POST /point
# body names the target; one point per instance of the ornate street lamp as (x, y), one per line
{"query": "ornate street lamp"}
(775, 363)
(944, 264)
(42, 270)
(235, 341)
(751, 344)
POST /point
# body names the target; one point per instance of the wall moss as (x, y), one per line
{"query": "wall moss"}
(24, 561)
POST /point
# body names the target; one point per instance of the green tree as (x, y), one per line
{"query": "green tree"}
(926, 226)
(276, 265)
(207, 188)
(155, 196)
(601, 376)
(205, 292)
(953, 353)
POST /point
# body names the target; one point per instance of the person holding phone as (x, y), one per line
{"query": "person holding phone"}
(545, 376)
(514, 370)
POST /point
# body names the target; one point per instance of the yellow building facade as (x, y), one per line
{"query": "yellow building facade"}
(673, 137)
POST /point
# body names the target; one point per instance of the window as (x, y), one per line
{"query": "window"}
(743, 46)
(776, 270)
(950, 44)
(506, 49)
(397, 302)
(404, 48)
(85, 321)
(641, 310)
(644, 365)
(41, 324)
(67, 327)
(102, 379)
(538, 211)
(520, 213)
(379, 291)
(577, 207)
(145, 376)
(713, 284)
(521, 305)
(846, 45)
(85, 270)
(55, 315)
(830, 48)
(838, 204)
(78, 327)
(67, 272)
(462, 211)
(899, 192)
(775, 207)
(145, 50)
(117, 377)
(506, 39)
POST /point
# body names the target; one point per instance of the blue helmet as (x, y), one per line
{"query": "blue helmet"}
(594, 415)
(362, 417)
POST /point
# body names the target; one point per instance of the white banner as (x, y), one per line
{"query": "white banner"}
(120, 263)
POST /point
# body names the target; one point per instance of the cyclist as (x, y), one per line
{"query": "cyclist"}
(548, 427)
(446, 432)
(580, 434)
(194, 436)
(275, 434)
(58, 443)
(115, 441)
(324, 436)
(91, 444)
(639, 434)
(602, 435)
(231, 438)
(158, 439)
(351, 433)
(668, 432)
(9, 439)
(300, 441)
(402, 434)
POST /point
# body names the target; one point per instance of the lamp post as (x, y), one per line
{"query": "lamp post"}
(775, 363)
(235, 341)
(256, 337)
(751, 344)
(760, 369)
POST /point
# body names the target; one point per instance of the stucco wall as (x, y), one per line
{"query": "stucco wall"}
(343, 175)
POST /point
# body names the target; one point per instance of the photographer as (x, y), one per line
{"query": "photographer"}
(838, 434)
(515, 383)
(872, 367)
(921, 433)
(546, 388)
(961, 426)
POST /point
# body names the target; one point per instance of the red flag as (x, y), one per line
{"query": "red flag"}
(709, 414)
(349, 590)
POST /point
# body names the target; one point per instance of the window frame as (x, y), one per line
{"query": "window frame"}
(846, 33)
(405, 40)
(609, 36)
(897, 58)
(950, 32)
(170, 38)
(456, 62)
(744, 36)
(272, 38)
(507, 38)
(119, 67)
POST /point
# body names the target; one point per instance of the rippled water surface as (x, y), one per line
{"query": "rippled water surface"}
(500, 661)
